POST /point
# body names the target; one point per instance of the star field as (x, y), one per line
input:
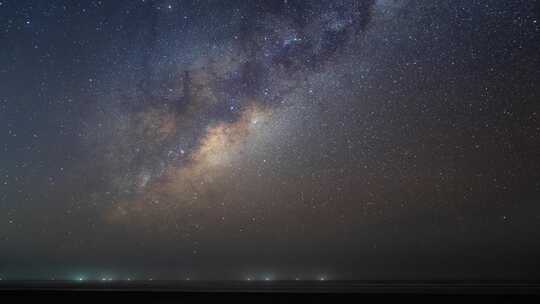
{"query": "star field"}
(267, 140)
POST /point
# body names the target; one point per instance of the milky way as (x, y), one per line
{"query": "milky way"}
(172, 151)
(232, 139)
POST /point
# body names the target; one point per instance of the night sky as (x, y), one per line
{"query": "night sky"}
(235, 140)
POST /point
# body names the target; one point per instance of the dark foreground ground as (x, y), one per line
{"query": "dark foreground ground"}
(264, 292)
(438, 287)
